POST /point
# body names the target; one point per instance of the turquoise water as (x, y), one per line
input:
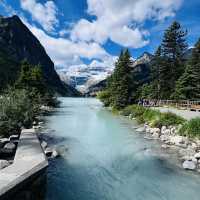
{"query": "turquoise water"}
(107, 160)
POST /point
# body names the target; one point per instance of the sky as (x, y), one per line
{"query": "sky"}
(93, 32)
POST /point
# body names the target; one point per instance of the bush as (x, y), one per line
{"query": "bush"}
(154, 117)
(191, 128)
(168, 119)
(151, 115)
(16, 110)
(105, 97)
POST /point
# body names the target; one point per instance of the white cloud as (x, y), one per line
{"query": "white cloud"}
(45, 14)
(114, 19)
(65, 52)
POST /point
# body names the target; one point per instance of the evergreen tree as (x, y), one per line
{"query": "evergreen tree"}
(120, 84)
(31, 78)
(156, 74)
(174, 47)
(188, 85)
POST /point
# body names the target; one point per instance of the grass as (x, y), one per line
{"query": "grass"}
(153, 117)
(191, 128)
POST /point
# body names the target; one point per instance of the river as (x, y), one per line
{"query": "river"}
(107, 160)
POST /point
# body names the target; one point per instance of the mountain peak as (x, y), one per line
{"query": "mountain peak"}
(146, 57)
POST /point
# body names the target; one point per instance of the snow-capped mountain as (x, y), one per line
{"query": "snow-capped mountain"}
(82, 76)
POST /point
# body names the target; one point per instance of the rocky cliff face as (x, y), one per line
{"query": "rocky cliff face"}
(17, 42)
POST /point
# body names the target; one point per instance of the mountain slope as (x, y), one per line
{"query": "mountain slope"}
(18, 43)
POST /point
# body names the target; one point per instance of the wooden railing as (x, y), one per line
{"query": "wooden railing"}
(181, 104)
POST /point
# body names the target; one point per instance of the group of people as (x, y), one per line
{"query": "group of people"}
(147, 103)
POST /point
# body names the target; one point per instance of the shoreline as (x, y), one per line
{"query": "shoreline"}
(187, 150)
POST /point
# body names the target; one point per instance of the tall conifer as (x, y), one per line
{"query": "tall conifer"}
(188, 85)
(174, 47)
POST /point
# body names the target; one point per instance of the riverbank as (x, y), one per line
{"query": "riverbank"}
(172, 131)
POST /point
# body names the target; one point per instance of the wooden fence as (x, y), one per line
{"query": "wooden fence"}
(181, 104)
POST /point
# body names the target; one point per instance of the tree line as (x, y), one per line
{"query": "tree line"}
(20, 103)
(172, 76)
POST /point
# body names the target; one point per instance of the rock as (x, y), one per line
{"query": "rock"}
(44, 145)
(198, 143)
(173, 130)
(197, 155)
(155, 135)
(4, 163)
(194, 145)
(165, 146)
(37, 127)
(194, 160)
(148, 129)
(14, 137)
(156, 130)
(177, 140)
(10, 146)
(140, 129)
(163, 129)
(54, 154)
(167, 132)
(189, 165)
(189, 152)
(130, 116)
(48, 151)
(164, 138)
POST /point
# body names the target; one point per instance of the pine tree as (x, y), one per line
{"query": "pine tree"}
(120, 84)
(188, 85)
(174, 47)
(156, 74)
(31, 78)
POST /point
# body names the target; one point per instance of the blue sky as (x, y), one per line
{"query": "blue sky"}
(92, 32)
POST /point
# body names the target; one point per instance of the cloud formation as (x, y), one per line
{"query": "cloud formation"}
(121, 21)
(45, 14)
(64, 52)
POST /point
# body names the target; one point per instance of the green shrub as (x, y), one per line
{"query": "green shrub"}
(154, 117)
(191, 128)
(168, 119)
(151, 115)
(105, 97)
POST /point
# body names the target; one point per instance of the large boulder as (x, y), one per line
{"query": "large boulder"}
(10, 146)
(190, 165)
(4, 163)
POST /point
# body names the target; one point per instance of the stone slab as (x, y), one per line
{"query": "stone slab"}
(29, 160)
